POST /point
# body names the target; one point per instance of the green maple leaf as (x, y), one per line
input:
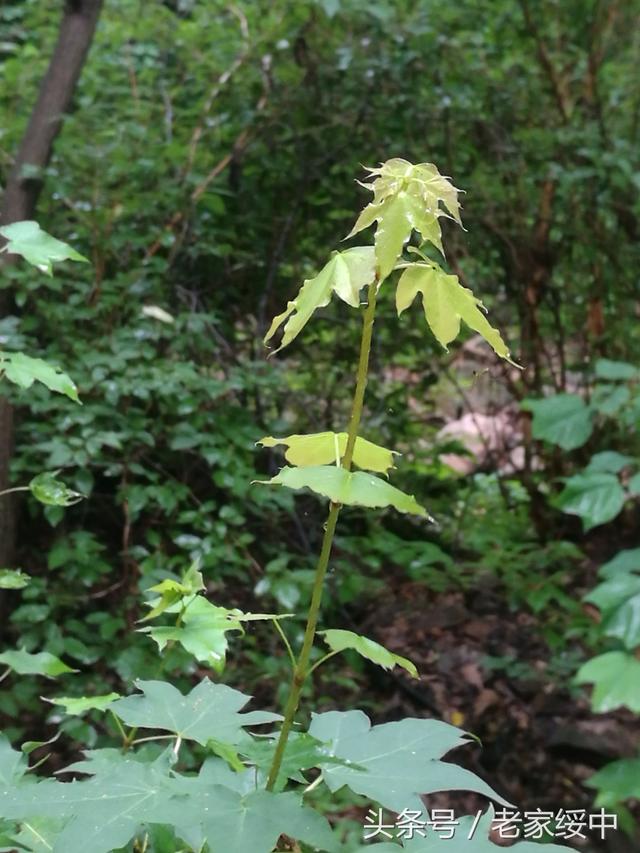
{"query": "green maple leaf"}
(345, 274)
(446, 303)
(352, 488)
(209, 712)
(41, 663)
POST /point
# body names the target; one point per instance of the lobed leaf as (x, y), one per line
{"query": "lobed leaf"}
(394, 763)
(13, 579)
(321, 448)
(209, 711)
(616, 681)
(446, 303)
(563, 419)
(201, 632)
(339, 640)
(352, 488)
(345, 274)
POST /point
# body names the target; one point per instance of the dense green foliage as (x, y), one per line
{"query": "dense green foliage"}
(205, 168)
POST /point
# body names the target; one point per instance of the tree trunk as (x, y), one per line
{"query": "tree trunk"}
(25, 184)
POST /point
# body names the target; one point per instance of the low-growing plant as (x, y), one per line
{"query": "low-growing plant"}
(598, 494)
(189, 772)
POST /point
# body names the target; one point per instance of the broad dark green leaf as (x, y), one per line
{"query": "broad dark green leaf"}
(352, 488)
(36, 246)
(103, 813)
(400, 760)
(78, 705)
(624, 561)
(301, 753)
(608, 461)
(615, 370)
(238, 823)
(563, 419)
(209, 711)
(446, 304)
(202, 632)
(616, 681)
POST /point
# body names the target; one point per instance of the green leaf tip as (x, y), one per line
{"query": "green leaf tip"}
(339, 640)
(446, 303)
(351, 488)
(323, 448)
(406, 197)
(345, 274)
(36, 246)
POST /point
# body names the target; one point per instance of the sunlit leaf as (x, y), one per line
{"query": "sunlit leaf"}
(353, 488)
(616, 681)
(618, 600)
(47, 489)
(36, 246)
(13, 579)
(345, 274)
(23, 370)
(339, 640)
(321, 448)
(208, 711)
(446, 303)
(624, 561)
(608, 461)
(619, 779)
(42, 663)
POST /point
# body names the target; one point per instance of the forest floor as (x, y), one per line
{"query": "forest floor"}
(489, 671)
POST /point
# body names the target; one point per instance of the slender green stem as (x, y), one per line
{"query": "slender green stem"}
(15, 489)
(361, 376)
(283, 636)
(301, 670)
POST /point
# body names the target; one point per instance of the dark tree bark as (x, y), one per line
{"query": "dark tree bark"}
(25, 184)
